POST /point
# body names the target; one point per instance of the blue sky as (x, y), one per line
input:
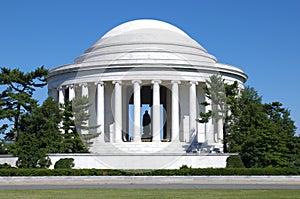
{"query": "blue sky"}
(262, 37)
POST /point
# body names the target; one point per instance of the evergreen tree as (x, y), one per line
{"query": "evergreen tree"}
(223, 98)
(38, 136)
(262, 133)
(16, 96)
(296, 157)
(80, 107)
(72, 120)
(250, 116)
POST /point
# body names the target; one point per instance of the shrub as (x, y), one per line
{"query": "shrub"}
(234, 161)
(64, 163)
(5, 166)
(184, 166)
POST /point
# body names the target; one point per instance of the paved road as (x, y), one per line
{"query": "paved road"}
(167, 186)
(171, 182)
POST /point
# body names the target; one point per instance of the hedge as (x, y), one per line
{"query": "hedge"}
(172, 172)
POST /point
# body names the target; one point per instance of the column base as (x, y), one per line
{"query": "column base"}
(156, 140)
(137, 140)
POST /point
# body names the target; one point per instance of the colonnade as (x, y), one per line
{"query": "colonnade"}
(117, 107)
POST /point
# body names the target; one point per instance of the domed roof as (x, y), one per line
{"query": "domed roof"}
(146, 41)
(142, 24)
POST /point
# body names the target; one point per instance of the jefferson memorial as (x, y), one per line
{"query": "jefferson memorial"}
(145, 80)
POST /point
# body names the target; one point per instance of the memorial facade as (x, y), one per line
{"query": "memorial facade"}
(144, 69)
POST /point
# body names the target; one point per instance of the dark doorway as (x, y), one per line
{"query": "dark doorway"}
(146, 105)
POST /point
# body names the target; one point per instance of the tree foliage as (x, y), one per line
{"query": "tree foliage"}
(264, 134)
(37, 130)
(249, 117)
(215, 91)
(223, 99)
(16, 96)
(38, 136)
(70, 124)
(80, 107)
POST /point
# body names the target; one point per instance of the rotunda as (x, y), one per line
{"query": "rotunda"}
(138, 66)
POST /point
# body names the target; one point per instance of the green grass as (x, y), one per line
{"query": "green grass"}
(150, 193)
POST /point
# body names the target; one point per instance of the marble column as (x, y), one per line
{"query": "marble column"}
(118, 110)
(192, 109)
(175, 111)
(85, 93)
(201, 108)
(84, 90)
(209, 128)
(61, 101)
(100, 110)
(61, 95)
(71, 92)
(156, 111)
(137, 110)
(71, 97)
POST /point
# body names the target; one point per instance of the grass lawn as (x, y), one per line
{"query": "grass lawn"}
(149, 193)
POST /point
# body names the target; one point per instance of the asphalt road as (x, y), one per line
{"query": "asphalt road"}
(152, 186)
(170, 182)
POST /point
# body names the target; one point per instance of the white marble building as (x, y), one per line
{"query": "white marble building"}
(144, 65)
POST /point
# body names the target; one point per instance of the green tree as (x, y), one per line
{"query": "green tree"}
(223, 98)
(262, 133)
(38, 136)
(16, 96)
(4, 126)
(80, 107)
(71, 121)
(29, 153)
(4, 146)
(249, 117)
(296, 157)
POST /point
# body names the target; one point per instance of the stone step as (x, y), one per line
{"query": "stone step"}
(142, 147)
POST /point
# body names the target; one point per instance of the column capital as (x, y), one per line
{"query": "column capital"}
(156, 82)
(83, 84)
(70, 86)
(193, 82)
(175, 82)
(99, 82)
(136, 81)
(117, 82)
(60, 88)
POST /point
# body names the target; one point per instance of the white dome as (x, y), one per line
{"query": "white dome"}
(145, 45)
(142, 24)
(146, 41)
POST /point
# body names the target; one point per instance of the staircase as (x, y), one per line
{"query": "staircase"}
(139, 148)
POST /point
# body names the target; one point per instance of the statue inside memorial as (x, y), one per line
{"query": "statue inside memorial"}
(146, 125)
